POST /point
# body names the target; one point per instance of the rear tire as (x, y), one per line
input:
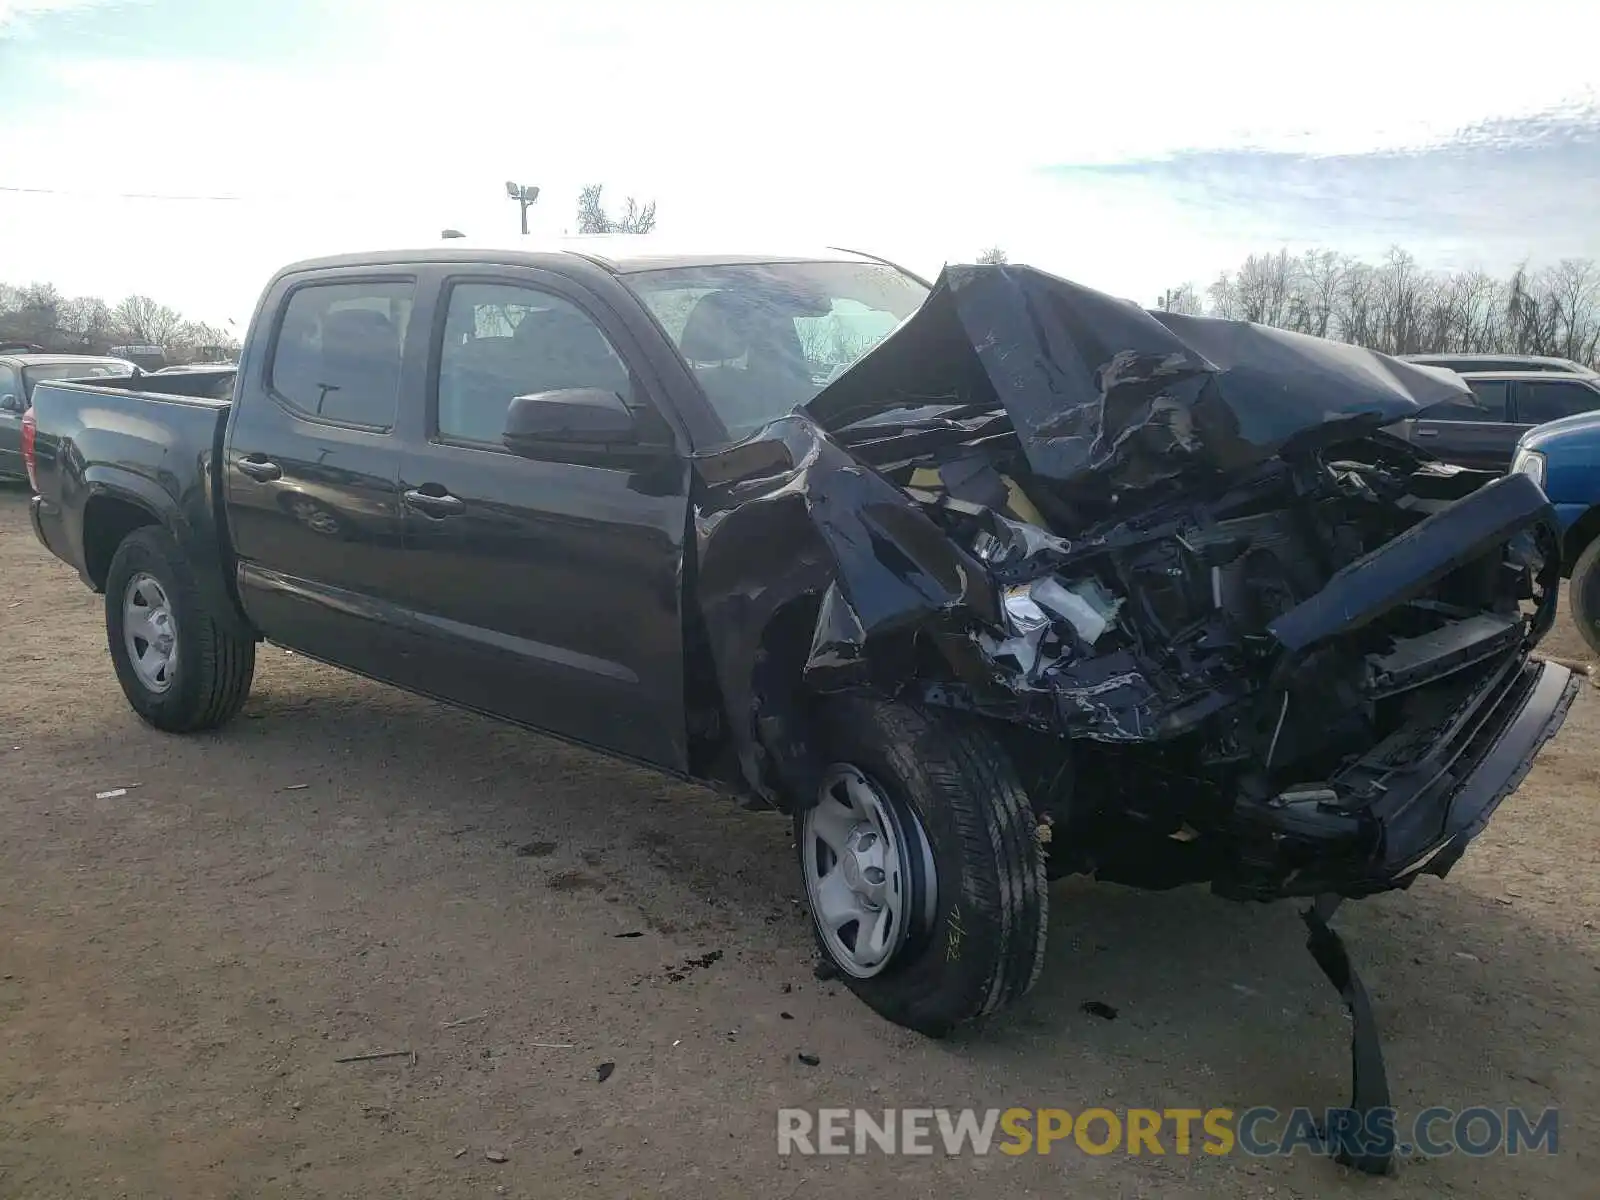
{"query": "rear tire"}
(182, 666)
(1583, 593)
(975, 941)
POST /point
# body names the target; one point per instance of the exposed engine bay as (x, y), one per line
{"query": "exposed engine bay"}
(1230, 628)
(1231, 710)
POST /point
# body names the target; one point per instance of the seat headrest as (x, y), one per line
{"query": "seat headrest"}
(718, 329)
(555, 331)
(358, 331)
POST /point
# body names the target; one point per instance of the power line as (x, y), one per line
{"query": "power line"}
(36, 191)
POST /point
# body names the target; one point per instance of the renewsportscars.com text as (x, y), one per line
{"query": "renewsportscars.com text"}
(1259, 1132)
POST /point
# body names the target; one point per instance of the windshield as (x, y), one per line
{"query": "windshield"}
(764, 338)
(71, 370)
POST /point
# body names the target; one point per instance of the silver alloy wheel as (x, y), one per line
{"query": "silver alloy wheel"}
(869, 871)
(150, 632)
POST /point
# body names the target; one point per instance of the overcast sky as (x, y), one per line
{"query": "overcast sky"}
(1131, 146)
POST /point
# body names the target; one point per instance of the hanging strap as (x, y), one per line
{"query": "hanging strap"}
(1369, 1082)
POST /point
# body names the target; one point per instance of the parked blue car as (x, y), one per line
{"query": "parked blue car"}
(1563, 457)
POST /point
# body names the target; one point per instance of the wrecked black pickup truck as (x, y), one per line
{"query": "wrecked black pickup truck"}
(1042, 584)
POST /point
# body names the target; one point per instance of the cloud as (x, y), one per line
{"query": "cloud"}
(15, 15)
(1490, 195)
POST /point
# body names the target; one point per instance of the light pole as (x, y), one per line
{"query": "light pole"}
(523, 196)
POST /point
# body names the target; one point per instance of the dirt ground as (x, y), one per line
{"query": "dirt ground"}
(348, 869)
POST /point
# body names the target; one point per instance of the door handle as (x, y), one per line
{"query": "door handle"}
(1427, 433)
(260, 469)
(442, 504)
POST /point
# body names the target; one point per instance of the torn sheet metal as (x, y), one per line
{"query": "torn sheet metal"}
(788, 520)
(1098, 389)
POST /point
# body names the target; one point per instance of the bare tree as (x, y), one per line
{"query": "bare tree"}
(1573, 287)
(993, 257)
(593, 218)
(86, 320)
(1225, 301)
(1265, 285)
(1315, 298)
(36, 312)
(145, 322)
(1184, 299)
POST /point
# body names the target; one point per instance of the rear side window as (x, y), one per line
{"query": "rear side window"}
(1541, 401)
(337, 356)
(1490, 395)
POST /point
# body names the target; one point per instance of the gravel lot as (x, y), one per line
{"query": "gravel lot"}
(348, 869)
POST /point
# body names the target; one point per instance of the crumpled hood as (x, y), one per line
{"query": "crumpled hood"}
(1101, 391)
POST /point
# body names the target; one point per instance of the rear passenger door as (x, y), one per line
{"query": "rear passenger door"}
(1479, 435)
(312, 466)
(548, 587)
(1542, 400)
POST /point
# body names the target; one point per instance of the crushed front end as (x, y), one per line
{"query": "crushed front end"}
(1307, 683)
(1233, 631)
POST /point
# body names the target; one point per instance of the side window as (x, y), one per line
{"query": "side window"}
(1491, 404)
(503, 341)
(1494, 395)
(10, 385)
(1549, 400)
(338, 351)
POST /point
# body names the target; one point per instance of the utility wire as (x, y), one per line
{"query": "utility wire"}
(34, 191)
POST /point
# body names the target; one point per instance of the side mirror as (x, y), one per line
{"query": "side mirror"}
(10, 403)
(570, 417)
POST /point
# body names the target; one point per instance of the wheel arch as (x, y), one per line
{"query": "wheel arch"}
(1577, 538)
(117, 505)
(109, 516)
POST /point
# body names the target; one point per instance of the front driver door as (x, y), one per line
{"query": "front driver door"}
(546, 591)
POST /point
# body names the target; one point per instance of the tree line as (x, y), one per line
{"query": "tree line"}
(1396, 306)
(38, 314)
(1399, 307)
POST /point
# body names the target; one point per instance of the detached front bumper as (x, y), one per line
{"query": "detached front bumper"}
(1377, 827)
(1411, 805)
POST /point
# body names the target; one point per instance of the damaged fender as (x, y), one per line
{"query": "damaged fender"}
(790, 521)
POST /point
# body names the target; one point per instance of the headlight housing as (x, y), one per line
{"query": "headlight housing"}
(1529, 463)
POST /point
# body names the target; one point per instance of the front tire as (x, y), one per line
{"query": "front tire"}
(922, 866)
(1583, 593)
(182, 666)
